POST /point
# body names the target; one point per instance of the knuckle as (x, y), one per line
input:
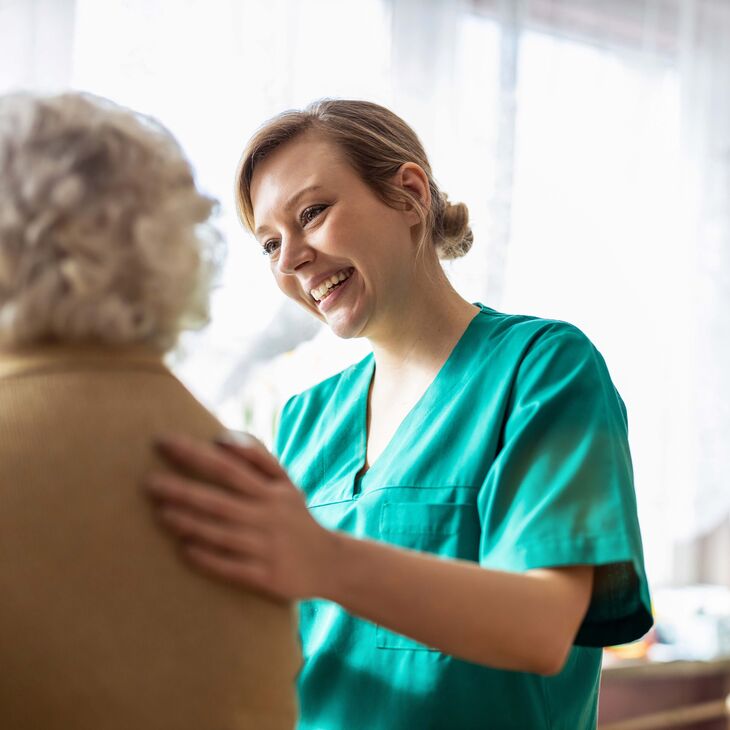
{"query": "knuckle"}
(198, 498)
(228, 472)
(212, 503)
(243, 514)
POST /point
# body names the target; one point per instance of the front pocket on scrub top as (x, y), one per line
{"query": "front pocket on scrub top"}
(447, 530)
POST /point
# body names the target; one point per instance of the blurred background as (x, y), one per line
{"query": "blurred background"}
(589, 138)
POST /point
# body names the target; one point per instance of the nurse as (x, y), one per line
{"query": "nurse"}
(455, 512)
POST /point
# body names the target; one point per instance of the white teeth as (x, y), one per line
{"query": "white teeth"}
(322, 291)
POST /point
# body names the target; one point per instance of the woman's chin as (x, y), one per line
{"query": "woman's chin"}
(345, 322)
(343, 330)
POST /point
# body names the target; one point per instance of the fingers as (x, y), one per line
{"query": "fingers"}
(202, 498)
(229, 508)
(253, 451)
(222, 536)
(213, 464)
(250, 573)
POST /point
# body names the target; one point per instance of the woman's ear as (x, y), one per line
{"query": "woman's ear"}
(412, 178)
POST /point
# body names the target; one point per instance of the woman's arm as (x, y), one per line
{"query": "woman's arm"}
(519, 621)
(254, 529)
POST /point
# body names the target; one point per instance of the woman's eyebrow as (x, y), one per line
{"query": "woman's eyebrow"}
(290, 204)
(295, 198)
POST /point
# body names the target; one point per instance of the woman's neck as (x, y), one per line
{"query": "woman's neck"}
(423, 331)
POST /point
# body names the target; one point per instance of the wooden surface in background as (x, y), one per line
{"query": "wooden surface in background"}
(632, 690)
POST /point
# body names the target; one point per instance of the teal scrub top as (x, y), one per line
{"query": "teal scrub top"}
(516, 457)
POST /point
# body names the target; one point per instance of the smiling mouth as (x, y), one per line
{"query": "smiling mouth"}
(327, 287)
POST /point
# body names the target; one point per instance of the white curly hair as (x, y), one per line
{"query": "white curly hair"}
(104, 236)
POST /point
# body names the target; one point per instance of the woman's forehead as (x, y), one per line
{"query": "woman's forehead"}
(301, 164)
(299, 156)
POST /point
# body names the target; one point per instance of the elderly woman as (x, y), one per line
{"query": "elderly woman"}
(104, 259)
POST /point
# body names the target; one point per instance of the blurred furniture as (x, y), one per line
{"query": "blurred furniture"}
(650, 696)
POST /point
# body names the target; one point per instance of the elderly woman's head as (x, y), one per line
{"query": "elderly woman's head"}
(101, 235)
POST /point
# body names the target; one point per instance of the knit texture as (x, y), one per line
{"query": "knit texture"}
(103, 626)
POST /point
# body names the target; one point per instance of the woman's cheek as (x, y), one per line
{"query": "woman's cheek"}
(288, 285)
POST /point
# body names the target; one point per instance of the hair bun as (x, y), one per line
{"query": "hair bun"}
(456, 237)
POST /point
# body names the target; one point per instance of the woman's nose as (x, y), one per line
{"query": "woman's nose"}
(293, 253)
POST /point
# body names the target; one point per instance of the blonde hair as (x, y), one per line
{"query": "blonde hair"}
(101, 226)
(376, 142)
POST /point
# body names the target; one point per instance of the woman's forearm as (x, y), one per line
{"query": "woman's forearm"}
(525, 622)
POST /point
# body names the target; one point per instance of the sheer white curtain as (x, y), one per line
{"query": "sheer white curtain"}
(36, 43)
(590, 139)
(619, 220)
(595, 214)
(704, 508)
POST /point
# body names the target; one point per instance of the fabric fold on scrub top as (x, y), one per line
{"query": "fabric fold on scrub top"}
(516, 457)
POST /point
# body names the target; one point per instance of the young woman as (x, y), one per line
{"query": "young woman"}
(456, 511)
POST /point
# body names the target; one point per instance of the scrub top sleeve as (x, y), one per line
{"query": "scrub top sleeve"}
(560, 491)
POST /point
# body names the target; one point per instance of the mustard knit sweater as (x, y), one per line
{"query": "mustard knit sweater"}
(102, 624)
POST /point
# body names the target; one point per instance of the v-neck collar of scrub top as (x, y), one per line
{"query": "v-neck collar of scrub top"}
(430, 399)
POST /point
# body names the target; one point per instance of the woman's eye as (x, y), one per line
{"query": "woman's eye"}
(270, 247)
(309, 214)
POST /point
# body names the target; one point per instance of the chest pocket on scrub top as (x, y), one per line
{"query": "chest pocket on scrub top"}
(449, 530)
